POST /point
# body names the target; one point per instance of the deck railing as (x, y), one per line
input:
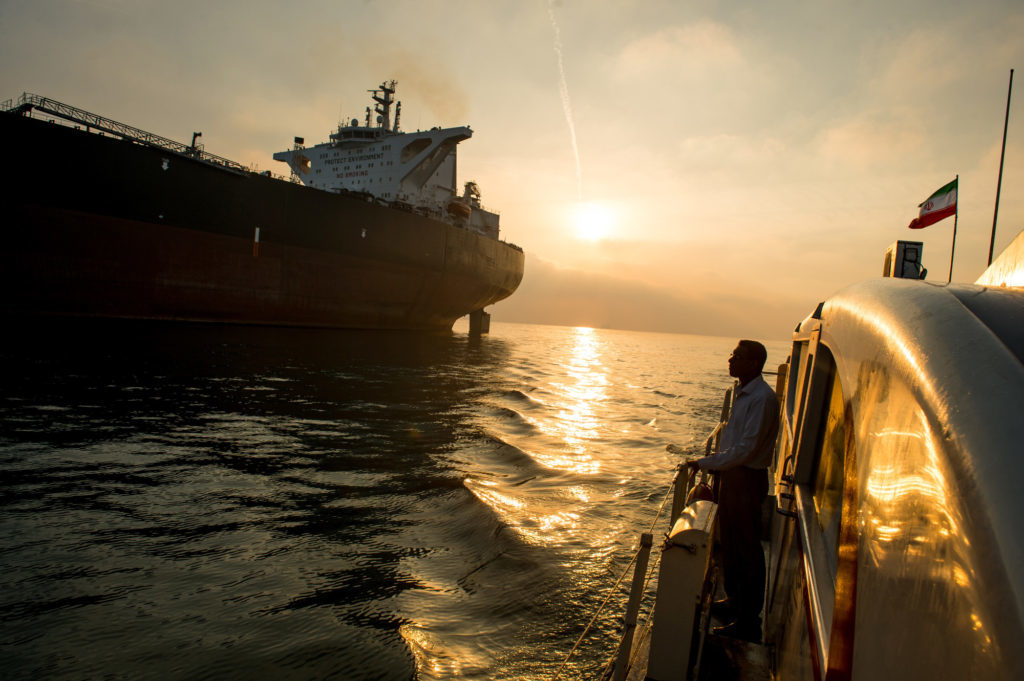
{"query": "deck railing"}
(684, 481)
(28, 102)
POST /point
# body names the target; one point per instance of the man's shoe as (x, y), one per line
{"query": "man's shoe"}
(741, 630)
(722, 610)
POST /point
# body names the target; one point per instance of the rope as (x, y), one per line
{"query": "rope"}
(586, 630)
(625, 571)
(664, 501)
(654, 564)
(636, 649)
(650, 573)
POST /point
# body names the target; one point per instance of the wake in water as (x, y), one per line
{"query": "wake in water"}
(318, 504)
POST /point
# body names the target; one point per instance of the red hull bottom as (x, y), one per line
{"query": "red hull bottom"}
(76, 264)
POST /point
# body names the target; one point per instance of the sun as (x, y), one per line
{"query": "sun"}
(593, 221)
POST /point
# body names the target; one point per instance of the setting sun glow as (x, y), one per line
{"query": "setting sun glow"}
(593, 221)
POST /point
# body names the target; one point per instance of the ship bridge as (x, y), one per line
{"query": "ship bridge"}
(409, 170)
(416, 168)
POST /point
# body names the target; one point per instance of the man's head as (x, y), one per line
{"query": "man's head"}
(747, 360)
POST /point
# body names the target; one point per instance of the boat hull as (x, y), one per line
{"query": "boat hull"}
(133, 231)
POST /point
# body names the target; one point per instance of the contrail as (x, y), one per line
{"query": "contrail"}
(566, 102)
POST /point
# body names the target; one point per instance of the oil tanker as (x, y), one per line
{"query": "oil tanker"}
(368, 232)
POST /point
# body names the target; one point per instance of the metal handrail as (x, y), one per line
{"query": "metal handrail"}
(683, 482)
(600, 609)
(639, 574)
(28, 101)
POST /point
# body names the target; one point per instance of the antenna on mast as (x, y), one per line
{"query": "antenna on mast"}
(384, 102)
(999, 183)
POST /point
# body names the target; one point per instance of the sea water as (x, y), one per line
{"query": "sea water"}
(202, 502)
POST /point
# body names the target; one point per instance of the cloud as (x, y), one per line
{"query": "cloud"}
(431, 81)
(554, 295)
(700, 49)
(907, 70)
(724, 151)
(873, 138)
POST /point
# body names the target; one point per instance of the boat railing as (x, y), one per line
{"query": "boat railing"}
(642, 573)
(689, 490)
(28, 103)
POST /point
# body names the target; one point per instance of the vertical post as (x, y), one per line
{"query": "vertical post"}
(956, 216)
(633, 608)
(726, 408)
(681, 487)
(479, 323)
(999, 183)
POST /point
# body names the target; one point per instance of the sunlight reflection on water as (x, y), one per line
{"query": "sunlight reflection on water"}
(308, 504)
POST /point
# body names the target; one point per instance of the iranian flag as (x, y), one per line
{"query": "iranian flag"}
(938, 206)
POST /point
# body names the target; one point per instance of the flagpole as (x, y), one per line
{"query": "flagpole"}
(956, 216)
(999, 184)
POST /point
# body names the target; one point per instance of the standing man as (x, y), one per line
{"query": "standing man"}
(742, 460)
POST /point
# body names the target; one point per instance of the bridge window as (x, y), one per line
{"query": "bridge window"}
(413, 148)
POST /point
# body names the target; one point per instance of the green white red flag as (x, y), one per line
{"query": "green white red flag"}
(936, 207)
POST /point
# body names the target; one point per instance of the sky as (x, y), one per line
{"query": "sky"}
(708, 167)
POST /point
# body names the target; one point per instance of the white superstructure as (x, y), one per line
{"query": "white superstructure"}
(407, 170)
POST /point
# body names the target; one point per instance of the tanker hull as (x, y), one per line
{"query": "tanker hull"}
(132, 231)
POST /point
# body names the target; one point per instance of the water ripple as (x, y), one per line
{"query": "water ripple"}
(185, 502)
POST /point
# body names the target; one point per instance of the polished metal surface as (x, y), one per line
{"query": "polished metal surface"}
(932, 531)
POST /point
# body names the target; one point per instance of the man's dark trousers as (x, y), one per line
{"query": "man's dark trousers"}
(742, 492)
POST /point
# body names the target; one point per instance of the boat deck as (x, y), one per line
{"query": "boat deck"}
(724, 659)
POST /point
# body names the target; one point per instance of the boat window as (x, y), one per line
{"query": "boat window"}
(798, 378)
(798, 353)
(828, 476)
(802, 409)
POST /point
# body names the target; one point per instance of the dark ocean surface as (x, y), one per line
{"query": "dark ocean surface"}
(199, 502)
